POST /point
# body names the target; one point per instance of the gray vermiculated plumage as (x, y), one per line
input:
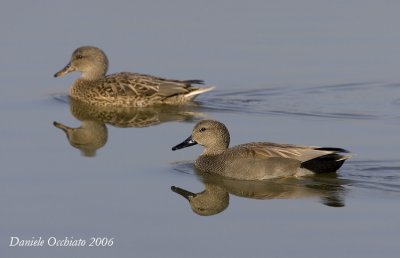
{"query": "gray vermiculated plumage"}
(258, 160)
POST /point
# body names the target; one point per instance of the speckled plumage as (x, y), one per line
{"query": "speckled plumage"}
(123, 89)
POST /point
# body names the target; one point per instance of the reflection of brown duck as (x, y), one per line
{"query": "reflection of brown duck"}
(215, 198)
(134, 117)
(89, 137)
(92, 134)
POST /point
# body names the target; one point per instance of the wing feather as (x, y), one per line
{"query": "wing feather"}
(141, 85)
(273, 150)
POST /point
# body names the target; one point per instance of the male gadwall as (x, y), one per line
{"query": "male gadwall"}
(123, 89)
(258, 160)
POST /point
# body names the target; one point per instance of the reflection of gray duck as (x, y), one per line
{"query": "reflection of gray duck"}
(89, 137)
(327, 187)
(258, 160)
(215, 198)
(134, 117)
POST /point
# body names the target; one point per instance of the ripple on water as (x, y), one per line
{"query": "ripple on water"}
(372, 175)
(381, 175)
(364, 100)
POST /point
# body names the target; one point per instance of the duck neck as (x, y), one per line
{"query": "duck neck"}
(215, 150)
(93, 74)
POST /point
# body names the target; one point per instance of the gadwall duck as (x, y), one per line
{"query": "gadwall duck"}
(89, 137)
(123, 89)
(258, 160)
(217, 190)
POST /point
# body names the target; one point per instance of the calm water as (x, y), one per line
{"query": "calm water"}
(312, 73)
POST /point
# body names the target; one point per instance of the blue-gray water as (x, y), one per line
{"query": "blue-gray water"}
(306, 72)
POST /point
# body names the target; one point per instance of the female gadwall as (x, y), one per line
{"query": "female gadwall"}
(258, 160)
(123, 89)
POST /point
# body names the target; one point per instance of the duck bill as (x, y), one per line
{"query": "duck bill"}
(67, 69)
(186, 143)
(186, 194)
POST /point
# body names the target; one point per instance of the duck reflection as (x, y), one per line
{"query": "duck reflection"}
(92, 134)
(213, 200)
(215, 197)
(89, 137)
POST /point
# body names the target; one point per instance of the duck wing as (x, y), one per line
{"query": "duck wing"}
(289, 151)
(141, 85)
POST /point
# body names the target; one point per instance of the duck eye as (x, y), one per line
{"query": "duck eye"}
(79, 57)
(202, 129)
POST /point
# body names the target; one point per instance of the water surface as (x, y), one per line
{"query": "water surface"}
(303, 73)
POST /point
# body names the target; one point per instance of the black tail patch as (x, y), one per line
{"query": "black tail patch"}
(194, 82)
(333, 149)
(324, 164)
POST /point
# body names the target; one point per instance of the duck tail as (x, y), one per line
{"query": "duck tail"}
(193, 82)
(326, 163)
(336, 150)
(197, 91)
